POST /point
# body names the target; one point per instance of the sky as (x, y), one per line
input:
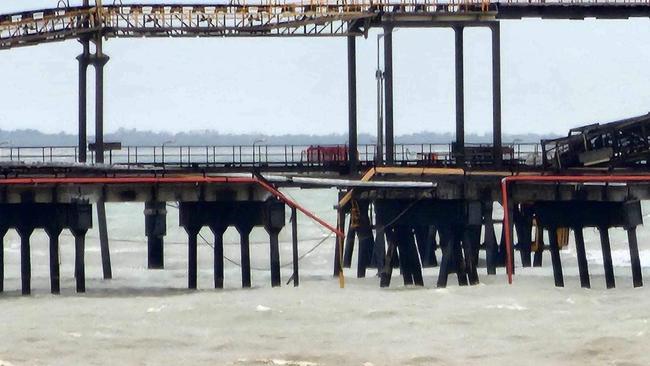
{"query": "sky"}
(555, 75)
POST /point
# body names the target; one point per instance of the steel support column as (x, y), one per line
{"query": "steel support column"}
(388, 94)
(352, 104)
(84, 61)
(497, 152)
(25, 259)
(294, 246)
(155, 228)
(99, 62)
(103, 240)
(3, 232)
(79, 258)
(460, 97)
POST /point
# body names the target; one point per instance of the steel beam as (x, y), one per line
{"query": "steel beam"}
(244, 235)
(84, 61)
(155, 228)
(581, 254)
(496, 95)
(53, 232)
(352, 105)
(99, 62)
(460, 97)
(192, 257)
(3, 232)
(555, 257)
(294, 246)
(25, 259)
(217, 231)
(103, 240)
(79, 258)
(635, 262)
(388, 94)
(610, 281)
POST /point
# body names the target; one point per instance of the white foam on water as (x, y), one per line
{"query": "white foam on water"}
(148, 317)
(513, 306)
(262, 308)
(156, 309)
(620, 257)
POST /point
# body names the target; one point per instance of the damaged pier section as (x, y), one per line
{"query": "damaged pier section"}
(563, 206)
(55, 205)
(451, 226)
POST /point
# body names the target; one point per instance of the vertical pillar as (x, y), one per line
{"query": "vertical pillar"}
(244, 235)
(103, 240)
(420, 233)
(217, 231)
(379, 252)
(496, 95)
(431, 258)
(79, 258)
(637, 277)
(539, 251)
(457, 256)
(274, 219)
(387, 272)
(3, 232)
(53, 233)
(366, 240)
(460, 97)
(503, 255)
(583, 269)
(192, 233)
(155, 220)
(471, 238)
(607, 256)
(490, 239)
(352, 105)
(402, 236)
(555, 257)
(447, 240)
(84, 60)
(414, 259)
(81, 219)
(349, 245)
(338, 249)
(388, 95)
(25, 259)
(99, 62)
(274, 253)
(294, 245)
(523, 226)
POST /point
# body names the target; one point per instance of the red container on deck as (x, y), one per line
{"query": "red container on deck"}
(322, 154)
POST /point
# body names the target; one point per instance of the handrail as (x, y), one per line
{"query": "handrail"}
(426, 154)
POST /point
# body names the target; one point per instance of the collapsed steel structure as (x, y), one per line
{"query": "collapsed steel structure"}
(624, 143)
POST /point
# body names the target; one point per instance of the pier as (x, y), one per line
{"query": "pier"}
(411, 207)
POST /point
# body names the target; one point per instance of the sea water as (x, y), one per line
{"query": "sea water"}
(147, 317)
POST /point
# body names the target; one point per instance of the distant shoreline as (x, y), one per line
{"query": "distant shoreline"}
(134, 137)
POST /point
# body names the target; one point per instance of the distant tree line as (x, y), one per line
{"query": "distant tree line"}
(30, 137)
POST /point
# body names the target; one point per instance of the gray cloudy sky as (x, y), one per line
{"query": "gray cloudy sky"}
(555, 74)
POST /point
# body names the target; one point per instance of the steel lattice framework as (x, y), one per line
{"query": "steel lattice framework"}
(281, 20)
(27, 28)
